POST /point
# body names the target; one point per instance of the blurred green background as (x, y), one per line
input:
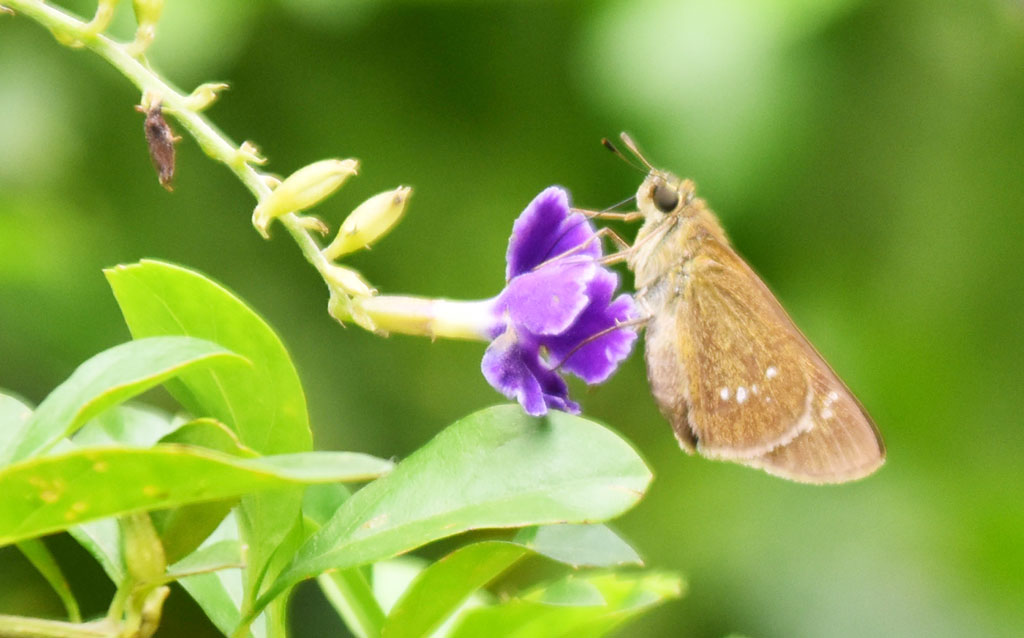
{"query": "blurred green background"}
(866, 157)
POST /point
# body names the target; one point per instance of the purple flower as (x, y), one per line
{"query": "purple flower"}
(555, 308)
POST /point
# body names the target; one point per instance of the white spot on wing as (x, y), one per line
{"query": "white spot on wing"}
(753, 388)
(771, 372)
(724, 393)
(741, 394)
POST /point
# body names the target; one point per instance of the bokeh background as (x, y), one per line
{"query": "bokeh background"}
(867, 157)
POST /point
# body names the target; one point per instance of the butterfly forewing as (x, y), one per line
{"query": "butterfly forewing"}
(843, 445)
(727, 366)
(749, 390)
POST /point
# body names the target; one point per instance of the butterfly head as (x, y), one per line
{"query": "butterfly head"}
(663, 194)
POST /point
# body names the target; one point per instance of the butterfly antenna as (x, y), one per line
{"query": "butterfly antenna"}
(611, 147)
(635, 150)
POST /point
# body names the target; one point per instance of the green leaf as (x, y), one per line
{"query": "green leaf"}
(495, 468)
(320, 502)
(578, 606)
(182, 529)
(348, 590)
(220, 555)
(439, 590)
(392, 577)
(134, 425)
(580, 545)
(48, 494)
(220, 593)
(210, 434)
(39, 555)
(264, 403)
(102, 539)
(13, 415)
(352, 597)
(111, 377)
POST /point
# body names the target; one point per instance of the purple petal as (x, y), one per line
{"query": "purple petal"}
(556, 392)
(548, 301)
(596, 359)
(505, 369)
(515, 369)
(546, 229)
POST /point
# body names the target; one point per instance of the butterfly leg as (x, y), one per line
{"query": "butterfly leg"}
(598, 234)
(639, 321)
(603, 214)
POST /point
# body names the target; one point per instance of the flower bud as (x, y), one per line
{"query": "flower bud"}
(204, 95)
(249, 153)
(147, 14)
(370, 221)
(143, 552)
(348, 281)
(302, 189)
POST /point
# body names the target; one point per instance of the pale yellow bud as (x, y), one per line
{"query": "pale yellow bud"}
(147, 12)
(348, 281)
(370, 221)
(249, 153)
(204, 95)
(303, 189)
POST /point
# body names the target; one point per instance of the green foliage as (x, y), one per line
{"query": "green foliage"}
(51, 493)
(495, 468)
(578, 605)
(107, 379)
(37, 553)
(233, 472)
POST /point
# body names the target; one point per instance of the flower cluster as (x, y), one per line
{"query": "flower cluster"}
(557, 312)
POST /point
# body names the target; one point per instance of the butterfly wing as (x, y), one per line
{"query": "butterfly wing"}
(843, 445)
(740, 382)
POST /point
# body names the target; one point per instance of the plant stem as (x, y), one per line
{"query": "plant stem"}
(352, 597)
(214, 143)
(22, 627)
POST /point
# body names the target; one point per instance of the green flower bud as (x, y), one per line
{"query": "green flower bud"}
(249, 153)
(143, 551)
(303, 189)
(147, 12)
(204, 95)
(370, 221)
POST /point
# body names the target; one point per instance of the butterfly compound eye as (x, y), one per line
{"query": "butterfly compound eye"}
(665, 198)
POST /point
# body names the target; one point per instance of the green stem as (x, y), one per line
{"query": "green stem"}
(22, 627)
(214, 143)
